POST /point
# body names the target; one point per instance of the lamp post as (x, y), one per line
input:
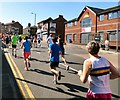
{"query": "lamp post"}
(35, 18)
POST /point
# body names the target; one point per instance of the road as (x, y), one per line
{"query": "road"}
(37, 83)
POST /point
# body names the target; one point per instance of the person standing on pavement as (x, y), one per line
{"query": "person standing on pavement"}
(98, 71)
(27, 51)
(107, 44)
(54, 52)
(61, 44)
(14, 44)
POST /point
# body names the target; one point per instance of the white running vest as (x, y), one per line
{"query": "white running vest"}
(99, 76)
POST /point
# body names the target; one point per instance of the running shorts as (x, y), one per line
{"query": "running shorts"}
(26, 55)
(14, 46)
(91, 96)
(53, 64)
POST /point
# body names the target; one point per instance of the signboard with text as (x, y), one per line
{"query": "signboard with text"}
(86, 29)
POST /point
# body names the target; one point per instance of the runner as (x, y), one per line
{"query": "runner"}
(14, 45)
(49, 40)
(35, 41)
(54, 52)
(39, 40)
(98, 71)
(27, 46)
(61, 44)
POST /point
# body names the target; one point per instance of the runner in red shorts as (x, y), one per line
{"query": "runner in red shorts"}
(27, 46)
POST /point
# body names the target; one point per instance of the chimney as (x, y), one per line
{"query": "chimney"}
(13, 21)
(61, 16)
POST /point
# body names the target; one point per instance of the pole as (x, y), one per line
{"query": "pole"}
(34, 19)
(117, 38)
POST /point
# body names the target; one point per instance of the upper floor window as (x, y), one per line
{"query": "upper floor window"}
(69, 24)
(75, 23)
(87, 22)
(113, 15)
(119, 14)
(101, 17)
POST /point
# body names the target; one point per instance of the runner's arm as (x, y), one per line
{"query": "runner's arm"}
(114, 72)
(86, 71)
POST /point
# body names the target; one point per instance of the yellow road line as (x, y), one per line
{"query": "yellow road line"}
(25, 84)
(15, 75)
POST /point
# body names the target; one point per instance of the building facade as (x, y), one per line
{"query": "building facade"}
(94, 24)
(13, 27)
(52, 26)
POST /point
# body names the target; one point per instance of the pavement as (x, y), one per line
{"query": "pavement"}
(8, 86)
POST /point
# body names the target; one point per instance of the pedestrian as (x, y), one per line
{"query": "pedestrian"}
(98, 71)
(39, 40)
(49, 40)
(54, 52)
(14, 44)
(61, 44)
(7, 41)
(27, 46)
(35, 41)
(107, 44)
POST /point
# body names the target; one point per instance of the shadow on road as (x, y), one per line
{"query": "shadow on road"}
(43, 72)
(74, 63)
(37, 51)
(59, 89)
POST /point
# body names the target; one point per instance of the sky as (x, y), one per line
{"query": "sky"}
(21, 11)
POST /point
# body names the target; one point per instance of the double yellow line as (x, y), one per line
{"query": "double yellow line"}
(17, 74)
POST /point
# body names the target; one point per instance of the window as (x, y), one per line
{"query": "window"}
(75, 23)
(119, 14)
(69, 24)
(110, 16)
(101, 17)
(86, 22)
(113, 15)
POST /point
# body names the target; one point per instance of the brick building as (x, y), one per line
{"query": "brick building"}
(13, 27)
(94, 24)
(52, 26)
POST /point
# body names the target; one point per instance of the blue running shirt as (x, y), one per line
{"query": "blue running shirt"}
(54, 56)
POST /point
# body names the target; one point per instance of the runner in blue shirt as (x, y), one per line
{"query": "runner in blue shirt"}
(27, 51)
(54, 52)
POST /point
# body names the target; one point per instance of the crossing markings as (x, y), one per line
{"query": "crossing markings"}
(20, 75)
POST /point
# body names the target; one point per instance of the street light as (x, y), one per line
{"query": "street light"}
(35, 18)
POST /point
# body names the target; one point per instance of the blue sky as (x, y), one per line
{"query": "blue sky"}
(21, 11)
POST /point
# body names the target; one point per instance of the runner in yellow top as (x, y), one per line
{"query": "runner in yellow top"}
(14, 44)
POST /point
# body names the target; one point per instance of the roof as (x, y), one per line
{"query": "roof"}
(95, 10)
(13, 22)
(72, 20)
(60, 16)
(46, 20)
(110, 10)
